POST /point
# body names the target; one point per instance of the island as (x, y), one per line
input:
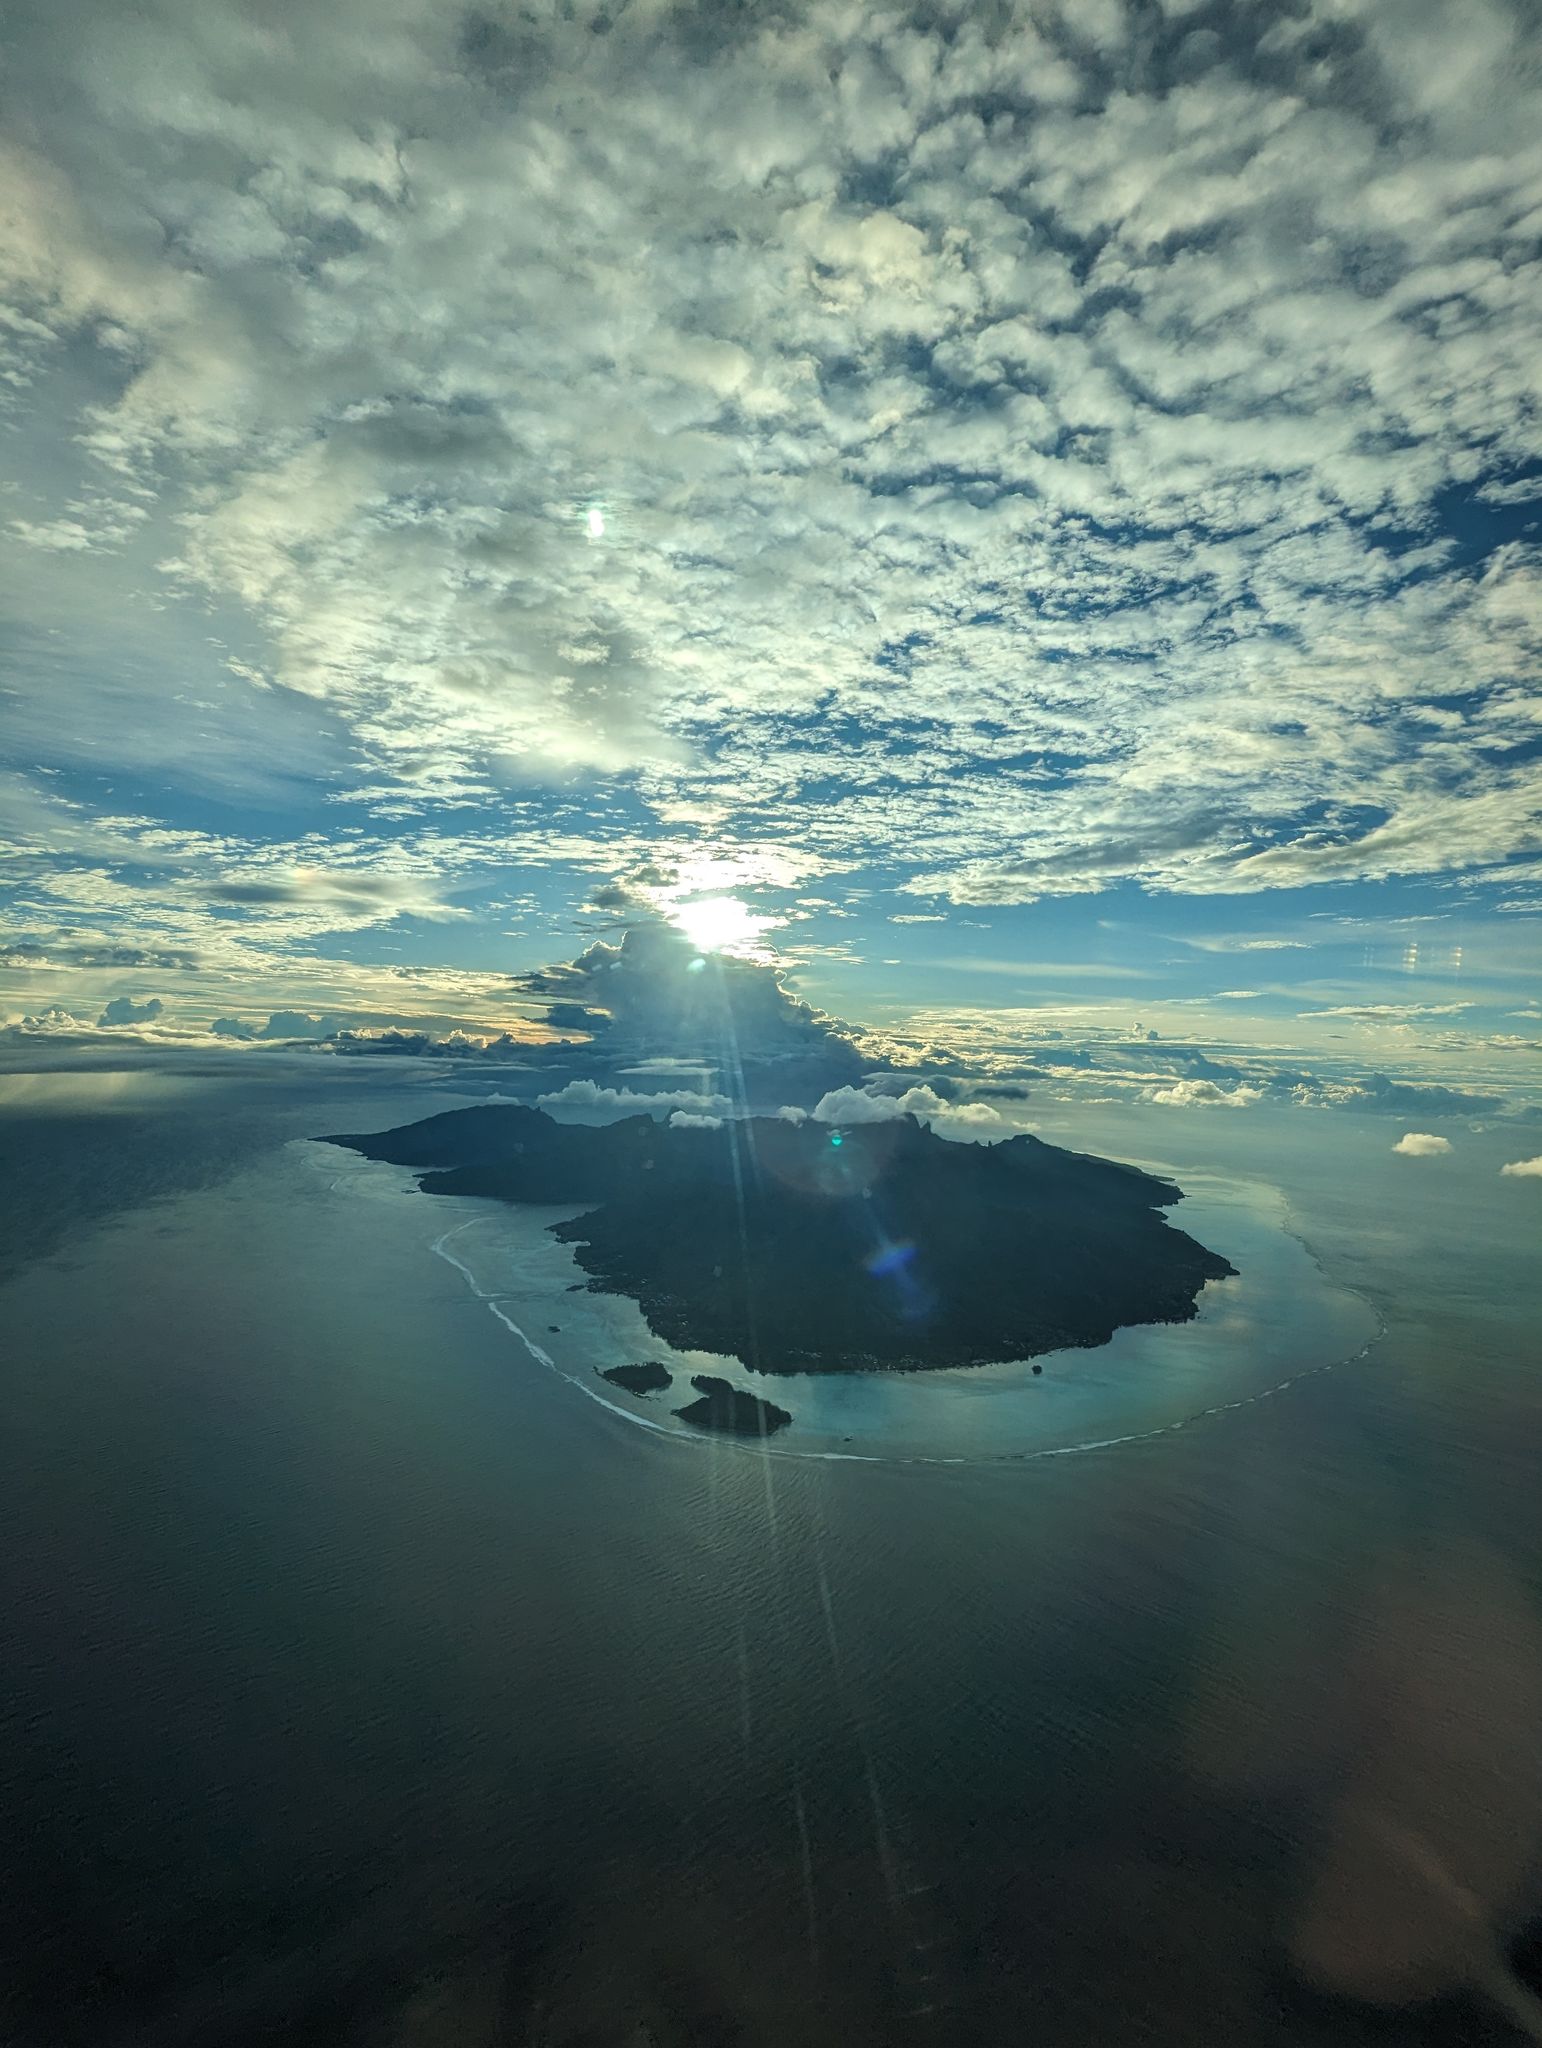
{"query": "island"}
(651, 1378)
(727, 1408)
(799, 1247)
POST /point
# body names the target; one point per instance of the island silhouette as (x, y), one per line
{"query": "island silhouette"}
(650, 1378)
(726, 1407)
(798, 1247)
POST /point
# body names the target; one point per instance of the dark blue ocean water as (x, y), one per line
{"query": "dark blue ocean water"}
(363, 1681)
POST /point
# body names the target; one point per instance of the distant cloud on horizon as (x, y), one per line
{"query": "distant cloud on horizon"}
(592, 1097)
(124, 1010)
(1191, 1093)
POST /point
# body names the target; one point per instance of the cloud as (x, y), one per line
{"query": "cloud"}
(1523, 1169)
(296, 1024)
(857, 1106)
(1388, 1097)
(1391, 1013)
(654, 994)
(712, 407)
(1192, 1093)
(1421, 1145)
(1224, 942)
(57, 950)
(124, 1010)
(949, 1119)
(279, 1024)
(393, 1042)
(285, 1027)
(595, 1098)
(962, 1119)
(690, 1120)
(53, 1022)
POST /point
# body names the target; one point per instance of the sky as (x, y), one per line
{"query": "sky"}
(1031, 514)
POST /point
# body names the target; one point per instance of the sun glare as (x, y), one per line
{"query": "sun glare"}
(718, 924)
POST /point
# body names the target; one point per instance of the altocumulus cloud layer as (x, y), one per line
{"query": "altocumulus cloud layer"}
(1089, 443)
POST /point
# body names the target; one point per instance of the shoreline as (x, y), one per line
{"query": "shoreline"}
(588, 1383)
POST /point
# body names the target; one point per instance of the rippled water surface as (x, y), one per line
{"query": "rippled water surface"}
(367, 1679)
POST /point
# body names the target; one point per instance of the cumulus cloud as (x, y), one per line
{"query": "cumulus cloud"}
(280, 1025)
(394, 1042)
(691, 1120)
(296, 1024)
(857, 1106)
(964, 1119)
(654, 994)
(594, 1099)
(1193, 1093)
(874, 1106)
(52, 1022)
(124, 1010)
(1523, 1169)
(1421, 1145)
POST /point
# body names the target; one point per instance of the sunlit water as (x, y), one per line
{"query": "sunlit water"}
(365, 1677)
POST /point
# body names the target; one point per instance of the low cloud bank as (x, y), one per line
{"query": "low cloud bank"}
(123, 1022)
(395, 1043)
(948, 1119)
(591, 1098)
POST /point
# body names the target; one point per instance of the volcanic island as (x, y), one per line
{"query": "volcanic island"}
(800, 1247)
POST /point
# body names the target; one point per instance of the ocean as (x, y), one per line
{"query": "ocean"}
(369, 1675)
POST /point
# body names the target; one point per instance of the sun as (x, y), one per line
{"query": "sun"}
(719, 924)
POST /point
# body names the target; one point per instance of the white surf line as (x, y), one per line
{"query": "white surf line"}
(537, 1351)
(765, 1448)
